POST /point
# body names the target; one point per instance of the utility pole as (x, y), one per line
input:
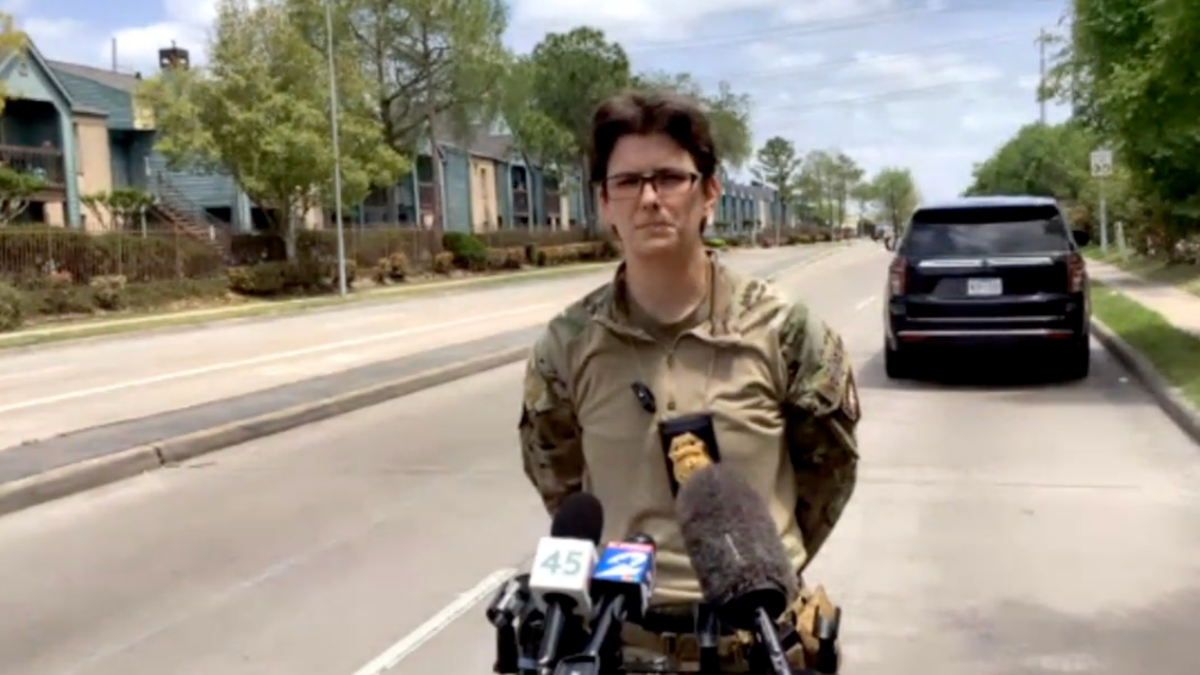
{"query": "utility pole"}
(1042, 39)
(337, 158)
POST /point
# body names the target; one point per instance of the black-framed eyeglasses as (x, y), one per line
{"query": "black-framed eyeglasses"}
(666, 182)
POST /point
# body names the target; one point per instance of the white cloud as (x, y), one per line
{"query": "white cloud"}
(1029, 82)
(826, 10)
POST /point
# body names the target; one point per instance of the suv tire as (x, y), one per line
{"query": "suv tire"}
(897, 364)
(1078, 359)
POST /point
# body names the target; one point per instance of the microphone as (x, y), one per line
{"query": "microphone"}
(562, 569)
(503, 613)
(624, 581)
(738, 556)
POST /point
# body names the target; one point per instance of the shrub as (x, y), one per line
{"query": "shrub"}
(63, 296)
(154, 294)
(469, 251)
(443, 263)
(108, 292)
(269, 278)
(394, 267)
(511, 258)
(12, 308)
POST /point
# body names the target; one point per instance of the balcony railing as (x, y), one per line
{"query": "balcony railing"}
(427, 195)
(520, 202)
(553, 203)
(45, 163)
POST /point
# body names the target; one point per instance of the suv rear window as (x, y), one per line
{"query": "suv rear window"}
(1002, 230)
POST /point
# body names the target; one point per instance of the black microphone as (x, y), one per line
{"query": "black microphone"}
(508, 605)
(623, 582)
(738, 556)
(560, 578)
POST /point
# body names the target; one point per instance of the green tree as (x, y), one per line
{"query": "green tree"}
(815, 186)
(11, 40)
(846, 175)
(1128, 69)
(260, 113)
(778, 166)
(119, 209)
(729, 113)
(538, 138)
(572, 73)
(896, 195)
(1046, 160)
(17, 189)
(863, 194)
(435, 67)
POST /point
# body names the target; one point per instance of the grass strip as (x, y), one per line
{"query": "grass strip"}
(1174, 353)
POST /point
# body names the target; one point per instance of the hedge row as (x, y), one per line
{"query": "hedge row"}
(157, 278)
(313, 271)
(29, 254)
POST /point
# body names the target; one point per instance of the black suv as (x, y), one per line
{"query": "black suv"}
(988, 271)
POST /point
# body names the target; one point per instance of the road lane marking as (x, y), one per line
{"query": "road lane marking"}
(266, 358)
(436, 624)
(863, 305)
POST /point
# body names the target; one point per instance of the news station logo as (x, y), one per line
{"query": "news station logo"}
(625, 561)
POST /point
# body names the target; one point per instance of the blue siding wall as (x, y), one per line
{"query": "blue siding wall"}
(458, 191)
(130, 151)
(504, 193)
(577, 204)
(204, 190)
(25, 76)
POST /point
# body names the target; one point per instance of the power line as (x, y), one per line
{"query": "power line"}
(880, 58)
(814, 28)
(888, 96)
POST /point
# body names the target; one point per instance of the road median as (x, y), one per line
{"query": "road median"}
(41, 471)
(109, 468)
(252, 309)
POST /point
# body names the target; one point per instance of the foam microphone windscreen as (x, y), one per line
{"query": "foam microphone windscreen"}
(735, 549)
(580, 516)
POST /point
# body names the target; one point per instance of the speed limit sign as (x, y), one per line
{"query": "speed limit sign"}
(1102, 163)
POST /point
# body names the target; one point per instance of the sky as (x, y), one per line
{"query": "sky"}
(932, 85)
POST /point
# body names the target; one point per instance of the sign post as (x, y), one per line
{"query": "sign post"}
(1102, 166)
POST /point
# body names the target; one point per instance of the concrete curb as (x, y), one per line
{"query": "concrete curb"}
(1179, 409)
(94, 473)
(80, 477)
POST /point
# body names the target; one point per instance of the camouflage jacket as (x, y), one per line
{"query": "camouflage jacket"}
(776, 379)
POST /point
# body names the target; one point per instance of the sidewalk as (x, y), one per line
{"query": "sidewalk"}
(1179, 307)
(1153, 329)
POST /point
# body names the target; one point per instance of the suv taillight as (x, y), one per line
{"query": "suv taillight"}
(1076, 273)
(897, 276)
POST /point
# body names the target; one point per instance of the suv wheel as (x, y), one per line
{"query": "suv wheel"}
(897, 364)
(1078, 361)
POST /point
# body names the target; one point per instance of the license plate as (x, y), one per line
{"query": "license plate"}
(984, 287)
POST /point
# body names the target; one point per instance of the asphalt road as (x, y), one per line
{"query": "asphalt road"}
(60, 389)
(998, 529)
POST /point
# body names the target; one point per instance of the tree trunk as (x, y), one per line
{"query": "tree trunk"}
(439, 187)
(590, 210)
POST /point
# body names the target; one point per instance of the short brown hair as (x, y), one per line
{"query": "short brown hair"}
(643, 113)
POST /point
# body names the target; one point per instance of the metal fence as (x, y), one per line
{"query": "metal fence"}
(28, 255)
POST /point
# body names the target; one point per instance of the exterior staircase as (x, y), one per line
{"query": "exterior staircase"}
(186, 218)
